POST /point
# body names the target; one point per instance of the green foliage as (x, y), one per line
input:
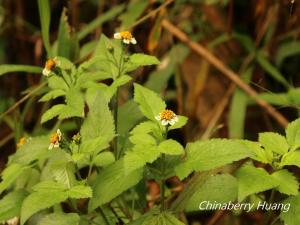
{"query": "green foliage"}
(207, 155)
(10, 205)
(292, 216)
(149, 102)
(170, 147)
(274, 142)
(293, 134)
(288, 184)
(220, 188)
(111, 182)
(10, 68)
(60, 219)
(45, 16)
(253, 180)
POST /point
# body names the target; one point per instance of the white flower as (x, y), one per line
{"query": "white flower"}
(55, 139)
(49, 66)
(126, 37)
(167, 117)
(13, 221)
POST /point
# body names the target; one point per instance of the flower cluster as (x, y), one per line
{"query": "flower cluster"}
(55, 139)
(50, 66)
(167, 117)
(126, 37)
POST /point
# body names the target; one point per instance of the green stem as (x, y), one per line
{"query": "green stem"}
(163, 181)
(271, 199)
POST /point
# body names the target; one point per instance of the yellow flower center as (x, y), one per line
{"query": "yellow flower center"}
(21, 142)
(126, 35)
(54, 138)
(167, 114)
(50, 64)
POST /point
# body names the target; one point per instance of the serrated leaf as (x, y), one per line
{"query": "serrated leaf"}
(142, 139)
(274, 142)
(252, 180)
(164, 218)
(219, 188)
(261, 154)
(149, 102)
(52, 95)
(137, 60)
(206, 155)
(170, 147)
(52, 112)
(288, 183)
(80, 191)
(99, 121)
(67, 43)
(40, 200)
(34, 149)
(290, 159)
(111, 182)
(291, 213)
(293, 134)
(139, 156)
(10, 204)
(59, 218)
(74, 104)
(10, 174)
(49, 185)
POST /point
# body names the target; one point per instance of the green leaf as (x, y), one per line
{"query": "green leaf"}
(52, 95)
(10, 204)
(291, 212)
(170, 147)
(111, 182)
(274, 142)
(286, 50)
(35, 149)
(238, 108)
(164, 218)
(45, 17)
(149, 102)
(40, 200)
(135, 9)
(274, 98)
(219, 188)
(288, 183)
(95, 145)
(252, 180)
(144, 128)
(11, 68)
(52, 112)
(293, 134)
(80, 191)
(182, 120)
(271, 70)
(10, 174)
(59, 218)
(139, 156)
(99, 121)
(261, 154)
(104, 159)
(207, 155)
(291, 159)
(136, 60)
(142, 139)
(67, 43)
(48, 185)
(100, 20)
(74, 106)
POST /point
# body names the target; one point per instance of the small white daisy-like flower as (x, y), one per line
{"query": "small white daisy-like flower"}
(167, 117)
(55, 139)
(13, 221)
(49, 66)
(126, 37)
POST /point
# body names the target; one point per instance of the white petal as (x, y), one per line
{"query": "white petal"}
(126, 41)
(157, 117)
(133, 41)
(172, 122)
(46, 72)
(176, 119)
(56, 145)
(164, 122)
(58, 132)
(117, 36)
(51, 146)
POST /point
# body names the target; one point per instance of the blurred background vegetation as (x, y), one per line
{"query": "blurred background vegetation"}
(258, 39)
